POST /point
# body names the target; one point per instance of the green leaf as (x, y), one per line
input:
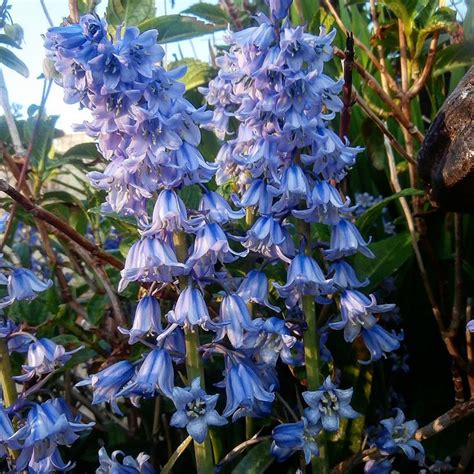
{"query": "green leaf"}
(390, 255)
(87, 6)
(129, 12)
(197, 73)
(406, 11)
(256, 460)
(9, 41)
(178, 27)
(191, 195)
(211, 13)
(10, 60)
(43, 140)
(442, 19)
(373, 213)
(454, 56)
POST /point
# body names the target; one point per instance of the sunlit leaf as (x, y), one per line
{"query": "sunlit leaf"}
(129, 12)
(10, 60)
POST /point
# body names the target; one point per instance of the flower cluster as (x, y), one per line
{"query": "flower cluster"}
(326, 407)
(393, 436)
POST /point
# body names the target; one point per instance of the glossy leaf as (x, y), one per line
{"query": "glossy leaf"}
(197, 74)
(211, 13)
(256, 460)
(10, 60)
(370, 215)
(454, 56)
(178, 27)
(390, 255)
(129, 12)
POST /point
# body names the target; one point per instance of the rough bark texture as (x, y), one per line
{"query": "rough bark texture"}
(446, 158)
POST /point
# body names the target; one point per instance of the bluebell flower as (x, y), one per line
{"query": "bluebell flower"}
(279, 8)
(43, 357)
(128, 465)
(256, 195)
(293, 355)
(147, 319)
(175, 345)
(254, 289)
(217, 209)
(236, 320)
(304, 277)
(293, 187)
(150, 259)
(274, 335)
(378, 466)
(325, 205)
(346, 240)
(6, 432)
(211, 245)
(47, 426)
(170, 215)
(271, 238)
(195, 410)
(245, 391)
(328, 405)
(107, 383)
(23, 284)
(289, 438)
(470, 326)
(399, 435)
(379, 341)
(357, 312)
(191, 310)
(155, 374)
(344, 276)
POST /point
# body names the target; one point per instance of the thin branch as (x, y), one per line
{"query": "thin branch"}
(46, 13)
(347, 88)
(425, 74)
(458, 279)
(452, 416)
(74, 11)
(377, 88)
(372, 58)
(22, 177)
(380, 124)
(446, 336)
(59, 224)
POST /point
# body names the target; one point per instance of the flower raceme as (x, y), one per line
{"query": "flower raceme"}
(284, 162)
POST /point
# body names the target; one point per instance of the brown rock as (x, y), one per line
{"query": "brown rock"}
(446, 158)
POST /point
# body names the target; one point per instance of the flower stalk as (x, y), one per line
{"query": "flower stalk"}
(319, 463)
(194, 366)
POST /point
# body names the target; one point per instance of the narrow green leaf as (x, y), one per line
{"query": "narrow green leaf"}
(390, 255)
(454, 56)
(10, 60)
(256, 460)
(211, 13)
(178, 27)
(373, 213)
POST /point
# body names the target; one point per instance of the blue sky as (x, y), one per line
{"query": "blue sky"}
(29, 14)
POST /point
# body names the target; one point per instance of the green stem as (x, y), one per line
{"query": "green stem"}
(8, 384)
(314, 377)
(194, 366)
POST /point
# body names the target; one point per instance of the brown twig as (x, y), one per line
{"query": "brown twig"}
(347, 88)
(425, 74)
(452, 416)
(458, 279)
(372, 58)
(377, 88)
(370, 113)
(29, 151)
(74, 11)
(59, 224)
